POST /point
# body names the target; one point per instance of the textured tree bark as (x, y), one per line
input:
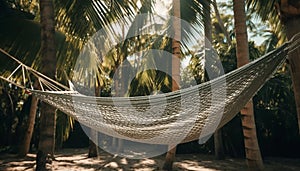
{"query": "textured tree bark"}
(219, 147)
(93, 148)
(253, 156)
(218, 142)
(170, 157)
(47, 120)
(292, 28)
(47, 136)
(25, 146)
(290, 15)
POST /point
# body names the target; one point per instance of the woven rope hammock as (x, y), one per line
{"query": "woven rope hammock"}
(179, 116)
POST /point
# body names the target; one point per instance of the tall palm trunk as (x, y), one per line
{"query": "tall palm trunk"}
(252, 150)
(170, 157)
(292, 28)
(25, 146)
(218, 142)
(47, 120)
(290, 13)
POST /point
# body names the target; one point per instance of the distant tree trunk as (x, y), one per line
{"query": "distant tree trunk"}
(114, 143)
(290, 15)
(123, 76)
(25, 146)
(220, 22)
(219, 147)
(47, 120)
(218, 142)
(93, 141)
(170, 157)
(93, 148)
(117, 143)
(253, 155)
(120, 147)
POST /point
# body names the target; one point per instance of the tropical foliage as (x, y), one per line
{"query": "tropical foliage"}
(77, 21)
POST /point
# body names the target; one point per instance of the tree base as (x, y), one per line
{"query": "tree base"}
(168, 165)
(41, 160)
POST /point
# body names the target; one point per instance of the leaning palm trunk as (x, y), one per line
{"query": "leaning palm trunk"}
(291, 16)
(253, 155)
(294, 63)
(25, 146)
(170, 157)
(47, 120)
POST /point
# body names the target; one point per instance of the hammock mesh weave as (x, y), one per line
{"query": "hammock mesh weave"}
(183, 115)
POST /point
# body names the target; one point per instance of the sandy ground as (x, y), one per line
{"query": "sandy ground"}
(76, 159)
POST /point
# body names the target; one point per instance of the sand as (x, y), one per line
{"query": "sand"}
(76, 160)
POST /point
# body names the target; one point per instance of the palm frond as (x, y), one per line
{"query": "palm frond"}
(267, 12)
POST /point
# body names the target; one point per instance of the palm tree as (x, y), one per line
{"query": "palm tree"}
(48, 116)
(81, 28)
(176, 50)
(292, 28)
(285, 14)
(69, 20)
(253, 155)
(218, 142)
(24, 42)
(24, 148)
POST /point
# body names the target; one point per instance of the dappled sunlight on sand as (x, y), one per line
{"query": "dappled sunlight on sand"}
(77, 160)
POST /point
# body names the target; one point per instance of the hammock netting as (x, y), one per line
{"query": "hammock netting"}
(179, 116)
(185, 115)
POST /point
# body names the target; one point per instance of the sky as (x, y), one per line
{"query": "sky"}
(257, 39)
(162, 6)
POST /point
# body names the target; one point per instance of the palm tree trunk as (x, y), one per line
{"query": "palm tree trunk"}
(47, 136)
(117, 143)
(93, 148)
(114, 143)
(292, 28)
(170, 157)
(252, 150)
(218, 142)
(220, 22)
(47, 120)
(219, 147)
(25, 146)
(93, 142)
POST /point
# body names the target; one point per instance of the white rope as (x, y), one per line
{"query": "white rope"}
(14, 72)
(102, 113)
(52, 84)
(119, 117)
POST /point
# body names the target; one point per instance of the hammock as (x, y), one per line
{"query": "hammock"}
(184, 115)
